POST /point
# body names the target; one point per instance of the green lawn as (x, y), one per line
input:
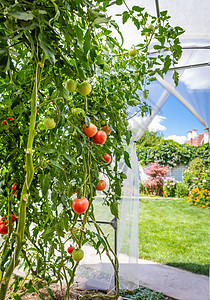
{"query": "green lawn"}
(171, 231)
(174, 233)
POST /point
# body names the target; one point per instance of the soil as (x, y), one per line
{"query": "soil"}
(75, 294)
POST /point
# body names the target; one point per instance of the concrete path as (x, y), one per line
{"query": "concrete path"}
(170, 281)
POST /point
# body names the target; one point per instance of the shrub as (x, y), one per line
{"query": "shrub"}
(156, 173)
(181, 190)
(196, 175)
(169, 187)
(199, 197)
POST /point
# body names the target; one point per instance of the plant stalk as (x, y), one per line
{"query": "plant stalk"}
(28, 179)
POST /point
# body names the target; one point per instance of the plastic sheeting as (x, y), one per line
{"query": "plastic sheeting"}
(193, 91)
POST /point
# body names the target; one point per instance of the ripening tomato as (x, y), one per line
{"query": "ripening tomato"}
(12, 219)
(99, 138)
(3, 229)
(77, 254)
(89, 131)
(107, 129)
(70, 249)
(107, 158)
(80, 205)
(101, 185)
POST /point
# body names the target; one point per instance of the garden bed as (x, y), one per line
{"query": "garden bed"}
(140, 293)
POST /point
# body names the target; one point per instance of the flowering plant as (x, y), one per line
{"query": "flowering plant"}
(169, 187)
(199, 197)
(156, 173)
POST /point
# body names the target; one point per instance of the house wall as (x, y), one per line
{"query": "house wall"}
(177, 172)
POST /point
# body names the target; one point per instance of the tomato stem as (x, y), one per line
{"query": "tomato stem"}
(28, 179)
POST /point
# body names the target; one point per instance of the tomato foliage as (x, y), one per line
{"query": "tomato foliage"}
(44, 44)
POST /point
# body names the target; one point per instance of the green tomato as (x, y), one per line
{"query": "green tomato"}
(103, 123)
(85, 88)
(49, 123)
(77, 111)
(133, 52)
(151, 27)
(71, 85)
(77, 254)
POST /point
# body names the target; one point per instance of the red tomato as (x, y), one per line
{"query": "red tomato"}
(14, 189)
(2, 220)
(12, 219)
(106, 129)
(11, 120)
(99, 138)
(80, 205)
(101, 185)
(89, 131)
(3, 229)
(107, 158)
(70, 249)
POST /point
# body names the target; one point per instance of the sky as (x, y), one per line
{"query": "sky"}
(174, 120)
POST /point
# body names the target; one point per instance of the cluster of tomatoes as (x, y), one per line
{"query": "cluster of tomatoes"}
(4, 224)
(8, 121)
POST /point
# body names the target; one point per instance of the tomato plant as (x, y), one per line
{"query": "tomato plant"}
(44, 44)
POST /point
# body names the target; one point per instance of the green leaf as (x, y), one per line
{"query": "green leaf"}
(119, 2)
(50, 292)
(138, 8)
(176, 77)
(27, 15)
(56, 164)
(128, 136)
(49, 51)
(114, 208)
(87, 121)
(68, 157)
(125, 17)
(41, 295)
(79, 34)
(87, 43)
(145, 94)
(46, 184)
(101, 20)
(127, 159)
(45, 150)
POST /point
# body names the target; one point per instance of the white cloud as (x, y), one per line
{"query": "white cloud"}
(156, 125)
(176, 138)
(197, 78)
(142, 122)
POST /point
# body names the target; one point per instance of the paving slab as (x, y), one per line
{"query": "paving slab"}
(173, 282)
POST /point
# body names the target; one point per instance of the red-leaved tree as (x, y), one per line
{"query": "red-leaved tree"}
(156, 173)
